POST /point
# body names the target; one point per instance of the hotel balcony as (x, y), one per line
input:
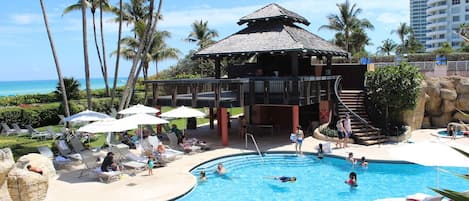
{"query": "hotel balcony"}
(432, 9)
(436, 25)
(436, 16)
(436, 33)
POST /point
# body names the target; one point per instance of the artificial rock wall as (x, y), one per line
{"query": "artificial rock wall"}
(437, 104)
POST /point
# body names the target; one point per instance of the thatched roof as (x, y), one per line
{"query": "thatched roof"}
(272, 38)
(273, 11)
(271, 30)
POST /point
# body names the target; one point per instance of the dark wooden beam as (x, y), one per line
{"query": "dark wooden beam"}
(174, 96)
(294, 63)
(241, 95)
(252, 93)
(217, 95)
(155, 94)
(266, 91)
(285, 92)
(307, 90)
(318, 91)
(217, 68)
(194, 95)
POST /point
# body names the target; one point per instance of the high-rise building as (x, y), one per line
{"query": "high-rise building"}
(444, 17)
(418, 19)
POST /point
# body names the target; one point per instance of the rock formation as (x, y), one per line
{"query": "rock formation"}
(443, 96)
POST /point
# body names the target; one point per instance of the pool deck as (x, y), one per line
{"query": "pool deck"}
(174, 180)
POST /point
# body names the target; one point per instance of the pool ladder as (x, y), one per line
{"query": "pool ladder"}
(255, 144)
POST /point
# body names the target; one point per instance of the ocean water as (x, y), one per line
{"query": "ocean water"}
(13, 88)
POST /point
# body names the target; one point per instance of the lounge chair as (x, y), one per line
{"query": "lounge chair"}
(6, 130)
(173, 143)
(77, 145)
(423, 197)
(54, 134)
(33, 133)
(62, 119)
(47, 152)
(65, 150)
(169, 155)
(19, 131)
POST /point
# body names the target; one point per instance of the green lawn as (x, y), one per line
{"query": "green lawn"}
(24, 145)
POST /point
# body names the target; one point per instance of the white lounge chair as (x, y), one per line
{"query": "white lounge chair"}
(54, 134)
(65, 150)
(33, 133)
(19, 130)
(6, 130)
(170, 154)
(424, 197)
(47, 152)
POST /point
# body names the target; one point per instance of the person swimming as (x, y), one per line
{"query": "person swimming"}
(220, 169)
(283, 179)
(202, 176)
(352, 181)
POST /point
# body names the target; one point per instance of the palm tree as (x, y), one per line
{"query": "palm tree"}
(72, 88)
(158, 50)
(202, 34)
(346, 23)
(402, 31)
(412, 45)
(94, 5)
(85, 54)
(141, 51)
(56, 60)
(387, 47)
(116, 70)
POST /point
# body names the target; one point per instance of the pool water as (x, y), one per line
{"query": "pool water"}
(316, 179)
(444, 133)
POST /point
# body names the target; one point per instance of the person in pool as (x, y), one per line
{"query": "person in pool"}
(202, 176)
(352, 179)
(220, 169)
(283, 179)
(363, 162)
(320, 151)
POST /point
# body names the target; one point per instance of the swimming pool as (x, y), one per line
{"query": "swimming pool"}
(317, 179)
(444, 133)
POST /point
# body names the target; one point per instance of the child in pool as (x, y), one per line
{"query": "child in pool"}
(352, 181)
(202, 176)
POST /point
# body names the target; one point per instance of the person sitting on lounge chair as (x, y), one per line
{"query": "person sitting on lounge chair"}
(108, 163)
(178, 133)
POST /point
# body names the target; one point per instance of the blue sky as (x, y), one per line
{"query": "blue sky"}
(26, 54)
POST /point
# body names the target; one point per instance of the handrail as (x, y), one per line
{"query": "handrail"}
(336, 90)
(255, 144)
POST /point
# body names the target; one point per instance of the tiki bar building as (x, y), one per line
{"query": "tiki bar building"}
(280, 73)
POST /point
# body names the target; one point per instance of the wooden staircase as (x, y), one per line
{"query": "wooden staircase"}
(362, 134)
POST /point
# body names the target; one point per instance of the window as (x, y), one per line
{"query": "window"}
(456, 18)
(454, 44)
(456, 2)
(455, 9)
(466, 18)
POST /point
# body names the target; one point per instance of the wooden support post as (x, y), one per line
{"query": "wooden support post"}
(294, 63)
(252, 92)
(266, 91)
(328, 90)
(318, 91)
(217, 68)
(155, 94)
(194, 95)
(285, 92)
(295, 112)
(241, 95)
(159, 129)
(223, 122)
(217, 95)
(328, 65)
(211, 117)
(307, 90)
(174, 96)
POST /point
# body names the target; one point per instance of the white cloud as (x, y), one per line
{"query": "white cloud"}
(24, 18)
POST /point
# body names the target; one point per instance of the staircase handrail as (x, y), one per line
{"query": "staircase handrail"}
(336, 90)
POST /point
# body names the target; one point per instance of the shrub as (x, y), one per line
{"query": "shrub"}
(328, 132)
(36, 115)
(393, 89)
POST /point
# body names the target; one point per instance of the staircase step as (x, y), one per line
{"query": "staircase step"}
(373, 142)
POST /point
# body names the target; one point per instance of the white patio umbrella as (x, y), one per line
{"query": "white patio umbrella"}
(183, 112)
(86, 116)
(139, 108)
(108, 125)
(430, 153)
(144, 119)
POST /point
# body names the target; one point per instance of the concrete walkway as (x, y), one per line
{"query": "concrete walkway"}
(174, 180)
